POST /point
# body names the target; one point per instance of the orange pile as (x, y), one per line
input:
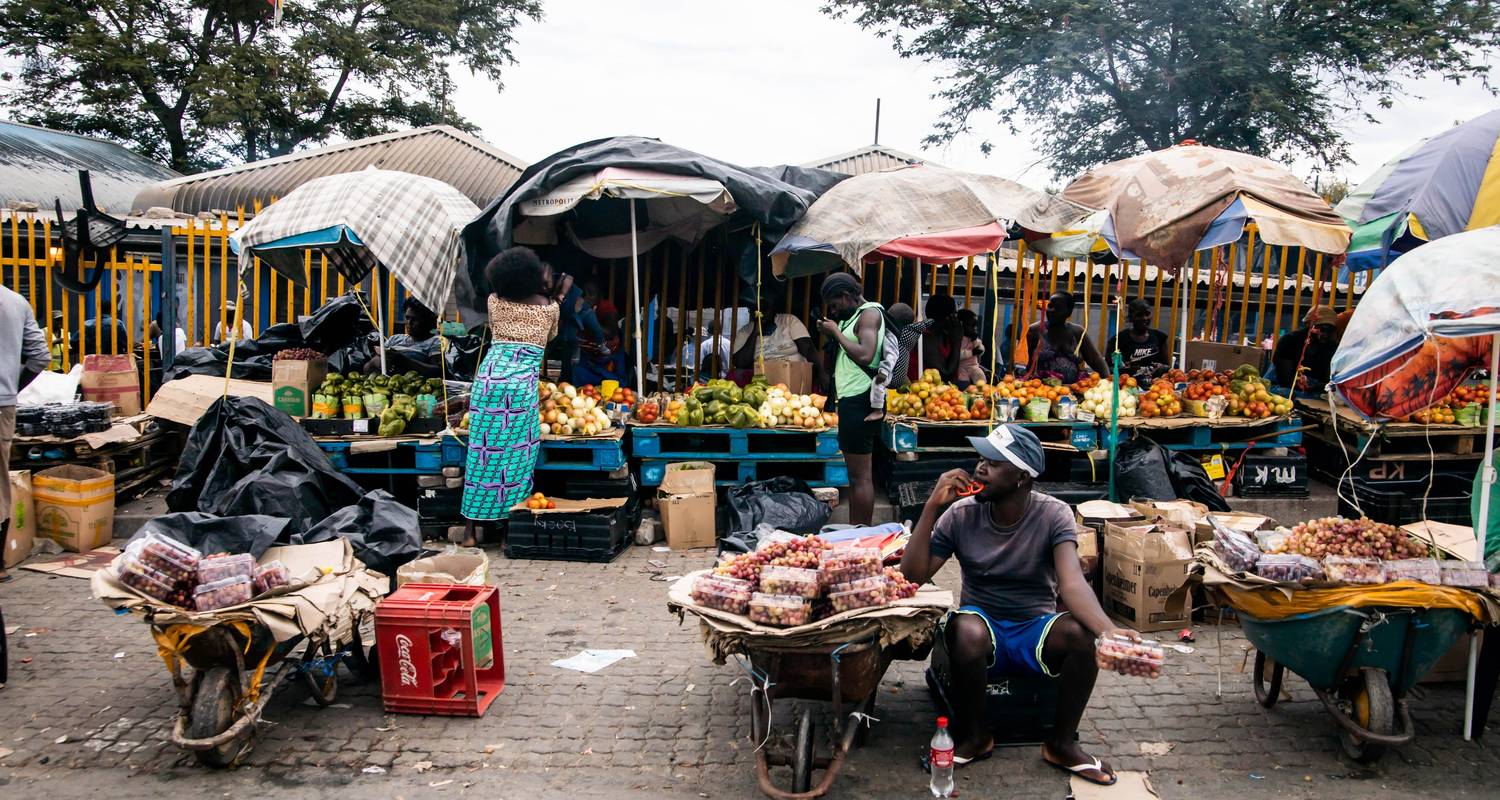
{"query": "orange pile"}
(539, 501)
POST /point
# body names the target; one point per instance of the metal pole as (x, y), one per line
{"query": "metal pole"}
(1182, 363)
(635, 278)
(1487, 471)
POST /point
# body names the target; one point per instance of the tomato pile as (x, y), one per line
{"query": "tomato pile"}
(1160, 401)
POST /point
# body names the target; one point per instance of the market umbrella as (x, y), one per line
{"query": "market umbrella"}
(1438, 187)
(932, 213)
(1420, 329)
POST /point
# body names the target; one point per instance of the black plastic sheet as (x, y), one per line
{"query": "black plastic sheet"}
(245, 457)
(1141, 471)
(208, 534)
(383, 532)
(339, 328)
(782, 502)
(1191, 482)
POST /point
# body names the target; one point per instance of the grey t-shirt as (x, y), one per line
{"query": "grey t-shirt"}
(1008, 572)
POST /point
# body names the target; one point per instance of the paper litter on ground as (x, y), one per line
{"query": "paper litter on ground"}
(593, 660)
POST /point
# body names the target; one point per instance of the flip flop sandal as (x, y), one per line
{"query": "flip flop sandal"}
(1079, 769)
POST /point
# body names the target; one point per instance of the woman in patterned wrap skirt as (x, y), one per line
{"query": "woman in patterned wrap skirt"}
(504, 427)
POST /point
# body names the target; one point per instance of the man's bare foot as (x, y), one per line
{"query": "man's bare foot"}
(875, 416)
(1068, 755)
(974, 748)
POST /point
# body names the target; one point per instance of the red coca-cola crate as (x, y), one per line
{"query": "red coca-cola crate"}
(440, 649)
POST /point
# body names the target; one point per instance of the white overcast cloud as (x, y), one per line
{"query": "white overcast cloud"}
(776, 81)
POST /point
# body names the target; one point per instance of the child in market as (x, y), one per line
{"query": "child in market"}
(970, 350)
(897, 318)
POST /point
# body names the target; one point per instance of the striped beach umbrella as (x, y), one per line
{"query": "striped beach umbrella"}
(1440, 186)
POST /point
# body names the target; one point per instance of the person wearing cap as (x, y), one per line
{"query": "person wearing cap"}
(1017, 550)
(1302, 359)
(857, 327)
(57, 343)
(246, 332)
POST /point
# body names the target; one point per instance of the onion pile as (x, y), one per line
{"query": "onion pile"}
(1364, 538)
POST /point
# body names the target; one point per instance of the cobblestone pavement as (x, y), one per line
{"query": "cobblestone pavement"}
(89, 706)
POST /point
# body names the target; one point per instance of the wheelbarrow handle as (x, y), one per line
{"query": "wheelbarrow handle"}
(1405, 730)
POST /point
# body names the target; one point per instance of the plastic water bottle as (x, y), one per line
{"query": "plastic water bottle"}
(940, 757)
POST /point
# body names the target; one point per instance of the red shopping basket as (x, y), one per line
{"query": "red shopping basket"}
(440, 649)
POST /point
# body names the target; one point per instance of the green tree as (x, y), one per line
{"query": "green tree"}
(198, 83)
(1101, 80)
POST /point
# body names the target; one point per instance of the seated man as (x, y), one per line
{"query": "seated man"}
(417, 349)
(1018, 553)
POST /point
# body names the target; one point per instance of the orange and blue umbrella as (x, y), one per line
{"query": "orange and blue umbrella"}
(1443, 185)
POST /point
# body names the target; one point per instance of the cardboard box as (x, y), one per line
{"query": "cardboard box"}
(686, 500)
(1145, 576)
(468, 566)
(293, 384)
(797, 375)
(22, 533)
(1215, 356)
(75, 506)
(112, 379)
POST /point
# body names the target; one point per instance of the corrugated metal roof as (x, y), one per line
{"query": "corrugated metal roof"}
(40, 165)
(479, 170)
(874, 158)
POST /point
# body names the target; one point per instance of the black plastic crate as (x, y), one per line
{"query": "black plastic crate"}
(1400, 502)
(909, 499)
(596, 536)
(439, 506)
(1272, 476)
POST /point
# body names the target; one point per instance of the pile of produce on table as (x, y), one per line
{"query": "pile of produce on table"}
(1341, 550)
(392, 399)
(792, 580)
(298, 354)
(567, 410)
(179, 575)
(722, 402)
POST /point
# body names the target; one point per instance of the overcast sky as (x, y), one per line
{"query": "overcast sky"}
(776, 81)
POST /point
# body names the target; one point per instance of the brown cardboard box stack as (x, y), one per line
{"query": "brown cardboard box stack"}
(1145, 575)
(687, 500)
(293, 384)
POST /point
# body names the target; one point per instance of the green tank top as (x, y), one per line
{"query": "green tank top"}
(850, 379)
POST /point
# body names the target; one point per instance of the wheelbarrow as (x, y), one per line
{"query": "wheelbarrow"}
(1361, 662)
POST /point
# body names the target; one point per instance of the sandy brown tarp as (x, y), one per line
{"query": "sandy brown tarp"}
(1162, 203)
(913, 619)
(331, 601)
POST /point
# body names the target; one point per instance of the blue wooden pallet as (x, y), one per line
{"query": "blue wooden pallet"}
(592, 455)
(407, 458)
(709, 442)
(1218, 439)
(731, 472)
(918, 436)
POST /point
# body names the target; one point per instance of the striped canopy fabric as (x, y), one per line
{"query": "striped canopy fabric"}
(408, 223)
(1422, 326)
(936, 214)
(1440, 186)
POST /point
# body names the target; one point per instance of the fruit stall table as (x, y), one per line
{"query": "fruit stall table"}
(740, 455)
(909, 437)
(1204, 434)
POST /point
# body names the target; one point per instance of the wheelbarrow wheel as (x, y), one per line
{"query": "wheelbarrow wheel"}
(1267, 686)
(212, 714)
(802, 754)
(1373, 707)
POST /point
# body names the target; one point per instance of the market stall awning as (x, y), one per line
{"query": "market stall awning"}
(1163, 206)
(408, 223)
(1440, 186)
(928, 212)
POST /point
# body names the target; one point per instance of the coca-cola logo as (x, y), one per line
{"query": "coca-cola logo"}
(403, 660)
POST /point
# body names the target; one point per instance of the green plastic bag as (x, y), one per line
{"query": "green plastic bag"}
(1037, 409)
(1468, 415)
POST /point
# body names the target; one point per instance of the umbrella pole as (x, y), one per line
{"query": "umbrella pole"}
(1183, 340)
(380, 325)
(1487, 470)
(635, 278)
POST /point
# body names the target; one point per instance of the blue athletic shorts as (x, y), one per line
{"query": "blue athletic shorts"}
(1015, 647)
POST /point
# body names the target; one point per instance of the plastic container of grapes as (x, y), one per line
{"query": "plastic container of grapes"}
(775, 537)
(848, 564)
(780, 610)
(271, 575)
(723, 593)
(1119, 654)
(223, 593)
(1354, 569)
(1288, 568)
(144, 578)
(1422, 570)
(789, 580)
(218, 567)
(1237, 550)
(1465, 574)
(868, 597)
(173, 559)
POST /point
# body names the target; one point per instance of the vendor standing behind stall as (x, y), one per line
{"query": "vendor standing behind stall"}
(504, 427)
(1018, 551)
(1303, 359)
(857, 326)
(23, 356)
(781, 337)
(1055, 346)
(1143, 349)
(944, 337)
